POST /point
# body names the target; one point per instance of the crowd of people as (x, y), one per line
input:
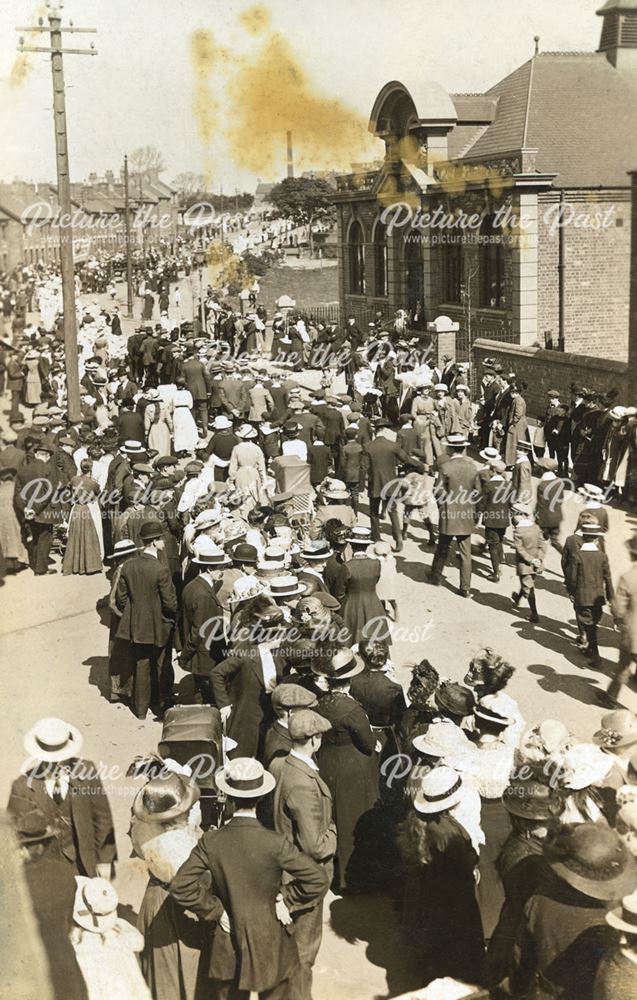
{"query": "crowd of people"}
(239, 517)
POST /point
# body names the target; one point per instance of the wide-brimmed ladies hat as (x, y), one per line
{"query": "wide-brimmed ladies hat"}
(207, 519)
(440, 387)
(619, 729)
(333, 489)
(492, 709)
(221, 423)
(440, 789)
(247, 587)
(95, 904)
(209, 554)
(593, 860)
(266, 429)
(344, 664)
(286, 586)
(125, 547)
(442, 738)
(532, 800)
(584, 765)
(246, 432)
(245, 778)
(454, 698)
(53, 740)
(625, 917)
(165, 797)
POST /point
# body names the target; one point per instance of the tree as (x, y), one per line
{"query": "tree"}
(304, 200)
(146, 160)
(189, 183)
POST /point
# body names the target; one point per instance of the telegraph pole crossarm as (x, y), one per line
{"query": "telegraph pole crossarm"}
(55, 30)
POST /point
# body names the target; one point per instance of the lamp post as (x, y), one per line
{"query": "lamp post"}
(200, 260)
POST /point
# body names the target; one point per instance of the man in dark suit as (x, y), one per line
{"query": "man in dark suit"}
(202, 617)
(130, 423)
(287, 698)
(39, 502)
(242, 683)
(302, 813)
(457, 492)
(146, 597)
(334, 423)
(380, 458)
(247, 880)
(134, 347)
(70, 794)
(197, 384)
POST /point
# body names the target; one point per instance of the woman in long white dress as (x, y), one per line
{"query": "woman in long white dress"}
(184, 427)
(157, 423)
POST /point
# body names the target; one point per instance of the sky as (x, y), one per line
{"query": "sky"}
(215, 84)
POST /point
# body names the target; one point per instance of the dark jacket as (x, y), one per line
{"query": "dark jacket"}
(495, 502)
(458, 492)
(238, 681)
(563, 937)
(195, 375)
(382, 699)
(202, 628)
(130, 426)
(302, 809)
(548, 508)
(240, 869)
(380, 458)
(40, 487)
(588, 578)
(91, 818)
(351, 462)
(146, 597)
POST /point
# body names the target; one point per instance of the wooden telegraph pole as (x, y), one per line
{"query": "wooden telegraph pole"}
(56, 52)
(129, 260)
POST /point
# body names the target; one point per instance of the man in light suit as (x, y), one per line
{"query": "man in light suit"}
(457, 491)
(302, 812)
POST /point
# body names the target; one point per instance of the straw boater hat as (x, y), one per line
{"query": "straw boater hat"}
(95, 904)
(457, 441)
(625, 917)
(221, 423)
(333, 489)
(53, 740)
(245, 778)
(132, 447)
(592, 859)
(440, 789)
(317, 550)
(164, 798)
(591, 492)
(246, 432)
(491, 708)
(286, 586)
(125, 547)
(490, 454)
(209, 554)
(360, 536)
(619, 729)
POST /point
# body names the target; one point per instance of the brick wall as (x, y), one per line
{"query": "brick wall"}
(597, 269)
(543, 370)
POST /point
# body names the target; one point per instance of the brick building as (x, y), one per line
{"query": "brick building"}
(516, 203)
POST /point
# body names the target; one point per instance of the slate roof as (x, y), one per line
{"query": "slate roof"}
(575, 108)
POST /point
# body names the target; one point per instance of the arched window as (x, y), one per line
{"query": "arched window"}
(356, 248)
(451, 259)
(380, 260)
(491, 266)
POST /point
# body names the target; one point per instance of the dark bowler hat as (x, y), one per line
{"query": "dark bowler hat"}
(150, 531)
(244, 553)
(531, 800)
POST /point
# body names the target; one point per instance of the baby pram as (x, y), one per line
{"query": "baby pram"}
(193, 735)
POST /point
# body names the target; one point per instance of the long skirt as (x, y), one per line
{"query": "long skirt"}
(159, 438)
(352, 778)
(496, 826)
(85, 543)
(185, 430)
(172, 945)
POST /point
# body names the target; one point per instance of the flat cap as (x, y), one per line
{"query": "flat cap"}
(306, 723)
(292, 696)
